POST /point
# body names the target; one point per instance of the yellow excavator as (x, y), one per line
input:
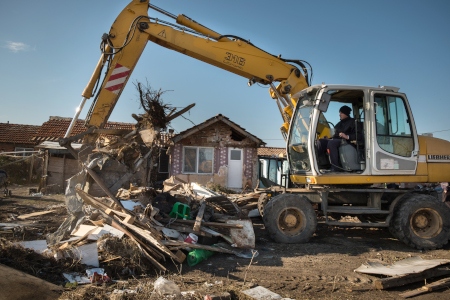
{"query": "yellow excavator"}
(389, 178)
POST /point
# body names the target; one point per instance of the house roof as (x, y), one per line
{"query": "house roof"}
(271, 151)
(56, 127)
(218, 118)
(17, 133)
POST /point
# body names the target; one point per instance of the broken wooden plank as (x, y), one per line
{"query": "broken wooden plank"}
(131, 219)
(88, 199)
(111, 212)
(8, 226)
(199, 218)
(38, 213)
(440, 284)
(112, 258)
(147, 235)
(78, 240)
(141, 245)
(180, 244)
(225, 203)
(246, 199)
(127, 218)
(102, 185)
(214, 224)
(395, 281)
(405, 266)
(188, 229)
(98, 223)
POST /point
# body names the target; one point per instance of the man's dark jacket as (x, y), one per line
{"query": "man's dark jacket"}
(348, 127)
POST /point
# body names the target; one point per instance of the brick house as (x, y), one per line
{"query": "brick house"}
(218, 151)
(17, 137)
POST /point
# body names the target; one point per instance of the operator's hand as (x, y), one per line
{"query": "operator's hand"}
(343, 135)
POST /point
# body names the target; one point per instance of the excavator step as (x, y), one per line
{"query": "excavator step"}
(356, 210)
(355, 224)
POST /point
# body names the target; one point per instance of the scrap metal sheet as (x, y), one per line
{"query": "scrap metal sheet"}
(403, 267)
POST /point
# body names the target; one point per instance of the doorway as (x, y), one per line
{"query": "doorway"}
(235, 168)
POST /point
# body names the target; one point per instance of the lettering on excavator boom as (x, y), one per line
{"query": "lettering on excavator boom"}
(232, 59)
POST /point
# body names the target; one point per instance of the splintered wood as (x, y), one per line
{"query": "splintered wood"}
(161, 234)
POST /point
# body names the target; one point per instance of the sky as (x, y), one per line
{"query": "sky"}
(49, 49)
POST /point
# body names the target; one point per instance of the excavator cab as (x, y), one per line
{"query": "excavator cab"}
(386, 140)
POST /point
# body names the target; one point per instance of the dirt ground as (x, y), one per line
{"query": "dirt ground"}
(320, 269)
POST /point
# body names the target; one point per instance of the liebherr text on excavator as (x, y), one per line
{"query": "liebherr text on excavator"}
(379, 172)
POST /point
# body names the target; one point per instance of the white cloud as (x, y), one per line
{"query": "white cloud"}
(17, 46)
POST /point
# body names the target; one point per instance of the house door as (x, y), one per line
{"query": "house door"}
(235, 168)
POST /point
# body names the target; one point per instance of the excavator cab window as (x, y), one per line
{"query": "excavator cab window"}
(298, 149)
(393, 129)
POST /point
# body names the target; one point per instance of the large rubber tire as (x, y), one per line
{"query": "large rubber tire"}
(422, 222)
(262, 201)
(290, 219)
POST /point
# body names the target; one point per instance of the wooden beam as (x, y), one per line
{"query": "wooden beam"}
(181, 244)
(39, 213)
(214, 224)
(141, 246)
(395, 281)
(147, 235)
(199, 218)
(88, 199)
(438, 285)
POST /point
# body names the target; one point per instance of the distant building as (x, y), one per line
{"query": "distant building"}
(17, 137)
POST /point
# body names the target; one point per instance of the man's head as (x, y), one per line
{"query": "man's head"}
(344, 112)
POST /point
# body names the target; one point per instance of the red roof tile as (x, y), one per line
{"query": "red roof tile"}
(272, 151)
(17, 133)
(56, 127)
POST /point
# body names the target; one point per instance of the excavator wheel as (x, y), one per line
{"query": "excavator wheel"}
(262, 201)
(290, 219)
(422, 222)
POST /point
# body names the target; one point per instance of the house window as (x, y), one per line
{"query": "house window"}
(21, 152)
(198, 160)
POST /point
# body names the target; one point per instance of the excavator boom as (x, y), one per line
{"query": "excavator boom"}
(123, 45)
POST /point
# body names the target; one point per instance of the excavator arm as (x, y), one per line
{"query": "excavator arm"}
(133, 28)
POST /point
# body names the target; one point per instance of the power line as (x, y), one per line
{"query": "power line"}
(439, 131)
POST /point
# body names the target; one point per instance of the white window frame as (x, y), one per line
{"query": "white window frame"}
(22, 149)
(197, 160)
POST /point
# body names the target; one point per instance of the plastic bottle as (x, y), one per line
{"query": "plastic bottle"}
(198, 255)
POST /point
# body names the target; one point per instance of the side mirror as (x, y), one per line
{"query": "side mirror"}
(324, 101)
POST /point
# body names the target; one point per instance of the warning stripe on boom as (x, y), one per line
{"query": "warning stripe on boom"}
(117, 79)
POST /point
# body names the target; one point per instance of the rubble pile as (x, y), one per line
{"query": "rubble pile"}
(144, 230)
(123, 227)
(169, 225)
